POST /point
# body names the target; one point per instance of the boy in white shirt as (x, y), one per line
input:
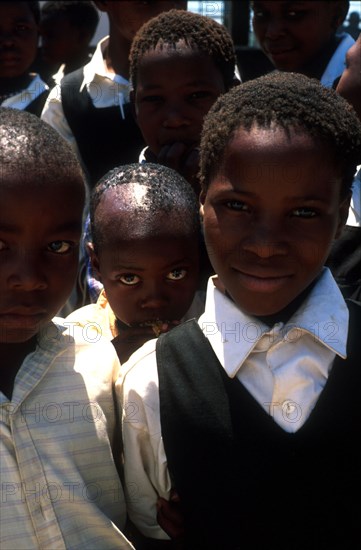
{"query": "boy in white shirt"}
(252, 412)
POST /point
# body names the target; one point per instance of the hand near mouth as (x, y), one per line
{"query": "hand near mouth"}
(184, 158)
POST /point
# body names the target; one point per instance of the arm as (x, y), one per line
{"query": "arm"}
(145, 465)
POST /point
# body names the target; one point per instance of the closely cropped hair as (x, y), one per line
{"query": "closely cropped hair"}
(30, 148)
(289, 101)
(167, 192)
(199, 32)
(81, 14)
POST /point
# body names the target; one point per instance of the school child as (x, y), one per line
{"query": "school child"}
(19, 87)
(180, 62)
(145, 250)
(59, 484)
(66, 29)
(91, 108)
(252, 413)
(345, 256)
(302, 36)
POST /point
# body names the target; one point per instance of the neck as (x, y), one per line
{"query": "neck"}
(317, 66)
(117, 54)
(11, 358)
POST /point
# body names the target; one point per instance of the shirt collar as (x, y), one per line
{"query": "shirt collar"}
(233, 334)
(97, 67)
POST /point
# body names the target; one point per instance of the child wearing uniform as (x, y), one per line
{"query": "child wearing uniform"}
(60, 487)
(252, 413)
(91, 108)
(180, 62)
(20, 88)
(302, 36)
(145, 250)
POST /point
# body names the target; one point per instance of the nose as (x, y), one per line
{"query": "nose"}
(154, 297)
(275, 28)
(6, 39)
(26, 275)
(265, 241)
(175, 116)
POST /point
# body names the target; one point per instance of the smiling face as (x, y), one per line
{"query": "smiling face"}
(39, 240)
(149, 267)
(270, 216)
(175, 90)
(18, 39)
(293, 33)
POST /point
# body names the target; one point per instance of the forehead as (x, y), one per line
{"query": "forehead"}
(125, 212)
(184, 62)
(15, 10)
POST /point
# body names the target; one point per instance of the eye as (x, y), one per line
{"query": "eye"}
(60, 247)
(177, 274)
(201, 94)
(304, 213)
(151, 99)
(129, 279)
(239, 206)
(295, 14)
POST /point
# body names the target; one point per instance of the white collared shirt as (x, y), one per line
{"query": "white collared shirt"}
(284, 368)
(21, 100)
(59, 483)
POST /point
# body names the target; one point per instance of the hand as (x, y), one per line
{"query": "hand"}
(170, 515)
(184, 160)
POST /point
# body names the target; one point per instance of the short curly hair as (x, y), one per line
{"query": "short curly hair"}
(81, 14)
(288, 101)
(198, 32)
(33, 150)
(166, 192)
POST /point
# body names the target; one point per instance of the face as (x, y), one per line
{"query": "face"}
(39, 242)
(146, 278)
(18, 39)
(349, 85)
(175, 90)
(126, 17)
(293, 33)
(270, 216)
(60, 40)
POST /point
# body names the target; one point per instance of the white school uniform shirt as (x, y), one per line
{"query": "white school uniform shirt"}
(105, 88)
(59, 485)
(21, 100)
(284, 368)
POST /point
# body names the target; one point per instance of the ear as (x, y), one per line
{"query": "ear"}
(343, 215)
(340, 9)
(94, 260)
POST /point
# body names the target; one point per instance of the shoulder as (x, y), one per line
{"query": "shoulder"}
(139, 375)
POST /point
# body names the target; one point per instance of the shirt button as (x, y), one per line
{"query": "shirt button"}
(291, 411)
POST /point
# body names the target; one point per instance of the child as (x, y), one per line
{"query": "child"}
(145, 247)
(302, 36)
(345, 257)
(180, 62)
(252, 414)
(66, 29)
(91, 108)
(19, 88)
(59, 483)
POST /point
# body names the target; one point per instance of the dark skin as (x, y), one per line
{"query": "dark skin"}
(39, 241)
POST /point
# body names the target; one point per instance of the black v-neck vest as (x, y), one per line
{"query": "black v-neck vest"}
(104, 139)
(243, 481)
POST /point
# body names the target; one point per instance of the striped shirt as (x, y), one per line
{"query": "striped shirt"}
(59, 484)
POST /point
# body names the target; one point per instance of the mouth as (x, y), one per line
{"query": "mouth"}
(265, 282)
(158, 325)
(25, 318)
